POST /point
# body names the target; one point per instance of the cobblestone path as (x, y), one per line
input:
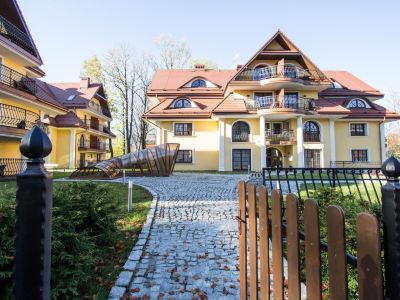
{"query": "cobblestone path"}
(192, 249)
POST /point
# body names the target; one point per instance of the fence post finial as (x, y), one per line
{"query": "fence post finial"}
(33, 220)
(391, 226)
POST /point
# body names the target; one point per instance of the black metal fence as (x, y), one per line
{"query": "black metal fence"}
(17, 117)
(364, 183)
(17, 80)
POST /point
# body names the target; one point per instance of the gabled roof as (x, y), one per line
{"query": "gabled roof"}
(11, 11)
(351, 84)
(173, 81)
(280, 44)
(70, 119)
(63, 90)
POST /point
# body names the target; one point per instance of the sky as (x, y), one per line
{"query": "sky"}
(362, 37)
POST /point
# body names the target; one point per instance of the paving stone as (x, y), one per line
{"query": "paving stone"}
(192, 239)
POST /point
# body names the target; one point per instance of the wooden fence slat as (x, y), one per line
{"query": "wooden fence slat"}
(242, 240)
(312, 249)
(337, 265)
(369, 266)
(264, 243)
(277, 262)
(292, 238)
(251, 189)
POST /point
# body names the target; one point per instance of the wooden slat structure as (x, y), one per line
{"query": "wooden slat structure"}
(279, 225)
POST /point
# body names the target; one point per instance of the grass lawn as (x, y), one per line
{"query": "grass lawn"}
(112, 257)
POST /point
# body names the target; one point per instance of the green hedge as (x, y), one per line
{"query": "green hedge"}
(84, 222)
(352, 206)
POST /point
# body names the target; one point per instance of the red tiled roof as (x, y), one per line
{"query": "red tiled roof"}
(350, 83)
(325, 106)
(174, 80)
(231, 105)
(70, 119)
(82, 95)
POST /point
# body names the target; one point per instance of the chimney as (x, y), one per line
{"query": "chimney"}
(199, 66)
(238, 67)
(85, 82)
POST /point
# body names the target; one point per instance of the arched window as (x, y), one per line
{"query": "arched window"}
(357, 103)
(311, 132)
(181, 103)
(198, 83)
(82, 141)
(240, 132)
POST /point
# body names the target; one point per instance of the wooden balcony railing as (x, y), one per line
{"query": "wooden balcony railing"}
(16, 117)
(93, 145)
(96, 126)
(274, 102)
(16, 35)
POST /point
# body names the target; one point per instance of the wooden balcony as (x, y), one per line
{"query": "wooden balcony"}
(16, 35)
(94, 146)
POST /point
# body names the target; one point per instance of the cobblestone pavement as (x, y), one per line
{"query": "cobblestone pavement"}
(192, 249)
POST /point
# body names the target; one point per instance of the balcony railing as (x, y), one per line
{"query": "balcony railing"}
(16, 117)
(11, 166)
(288, 101)
(16, 35)
(96, 126)
(93, 145)
(95, 107)
(17, 80)
(275, 71)
(276, 137)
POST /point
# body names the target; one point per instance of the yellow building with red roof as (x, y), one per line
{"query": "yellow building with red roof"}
(278, 109)
(76, 115)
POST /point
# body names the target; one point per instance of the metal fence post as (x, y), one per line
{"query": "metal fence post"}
(33, 220)
(391, 227)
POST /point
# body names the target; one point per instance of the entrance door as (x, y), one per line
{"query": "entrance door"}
(274, 158)
(312, 158)
(241, 159)
(82, 160)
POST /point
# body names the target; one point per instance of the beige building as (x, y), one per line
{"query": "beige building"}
(278, 109)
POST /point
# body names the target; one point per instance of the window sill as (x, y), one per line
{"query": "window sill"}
(184, 136)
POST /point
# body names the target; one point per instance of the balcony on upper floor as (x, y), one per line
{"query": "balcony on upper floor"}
(96, 126)
(15, 121)
(16, 35)
(16, 80)
(289, 76)
(279, 137)
(93, 145)
(287, 103)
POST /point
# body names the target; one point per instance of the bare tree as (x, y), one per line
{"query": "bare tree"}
(122, 80)
(174, 54)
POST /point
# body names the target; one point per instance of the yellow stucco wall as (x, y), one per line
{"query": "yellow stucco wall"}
(204, 142)
(345, 142)
(9, 149)
(62, 145)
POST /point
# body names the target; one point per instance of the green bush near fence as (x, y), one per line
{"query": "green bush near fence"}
(91, 236)
(352, 206)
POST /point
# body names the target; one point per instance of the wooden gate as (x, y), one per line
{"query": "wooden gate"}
(260, 225)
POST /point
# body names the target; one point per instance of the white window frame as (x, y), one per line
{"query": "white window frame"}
(357, 136)
(187, 163)
(360, 99)
(182, 136)
(172, 105)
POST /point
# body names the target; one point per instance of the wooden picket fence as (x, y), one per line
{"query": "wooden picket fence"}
(260, 225)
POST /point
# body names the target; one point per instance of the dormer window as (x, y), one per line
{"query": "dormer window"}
(182, 103)
(199, 83)
(358, 103)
